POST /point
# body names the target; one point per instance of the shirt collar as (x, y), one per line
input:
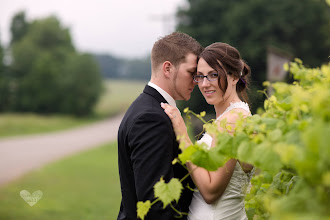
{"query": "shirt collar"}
(166, 96)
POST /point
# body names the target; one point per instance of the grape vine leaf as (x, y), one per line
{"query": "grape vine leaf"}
(209, 159)
(167, 192)
(186, 154)
(143, 209)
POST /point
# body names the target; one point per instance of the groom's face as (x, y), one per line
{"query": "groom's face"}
(183, 83)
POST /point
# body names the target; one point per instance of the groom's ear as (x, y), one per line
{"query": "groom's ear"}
(167, 69)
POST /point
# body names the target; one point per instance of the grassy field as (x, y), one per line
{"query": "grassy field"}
(24, 124)
(119, 94)
(117, 97)
(85, 186)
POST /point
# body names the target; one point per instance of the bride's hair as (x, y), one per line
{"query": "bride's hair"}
(226, 59)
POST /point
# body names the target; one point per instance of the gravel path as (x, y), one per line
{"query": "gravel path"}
(19, 155)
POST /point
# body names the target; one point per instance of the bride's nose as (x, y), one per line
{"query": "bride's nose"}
(205, 82)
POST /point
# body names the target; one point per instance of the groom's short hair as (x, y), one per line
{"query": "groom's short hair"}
(174, 48)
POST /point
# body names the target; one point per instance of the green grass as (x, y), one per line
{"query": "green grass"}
(24, 124)
(117, 97)
(85, 186)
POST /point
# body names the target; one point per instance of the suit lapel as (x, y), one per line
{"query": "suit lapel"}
(154, 93)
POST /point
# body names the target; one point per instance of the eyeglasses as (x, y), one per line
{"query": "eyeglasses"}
(210, 77)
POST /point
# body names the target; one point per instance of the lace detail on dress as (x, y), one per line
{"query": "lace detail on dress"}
(233, 105)
(245, 179)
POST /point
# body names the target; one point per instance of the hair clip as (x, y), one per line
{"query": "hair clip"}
(241, 78)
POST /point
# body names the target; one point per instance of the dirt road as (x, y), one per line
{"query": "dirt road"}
(18, 155)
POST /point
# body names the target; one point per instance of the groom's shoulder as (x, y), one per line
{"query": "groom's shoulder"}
(145, 108)
(146, 103)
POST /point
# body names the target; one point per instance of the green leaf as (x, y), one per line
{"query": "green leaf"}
(245, 152)
(225, 143)
(186, 154)
(326, 179)
(275, 135)
(168, 192)
(288, 153)
(223, 123)
(266, 158)
(209, 159)
(143, 209)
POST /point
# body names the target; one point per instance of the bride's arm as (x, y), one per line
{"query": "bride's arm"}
(211, 184)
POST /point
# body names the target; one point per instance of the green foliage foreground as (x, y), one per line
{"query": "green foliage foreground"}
(288, 143)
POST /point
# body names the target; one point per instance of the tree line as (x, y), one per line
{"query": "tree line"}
(44, 73)
(123, 68)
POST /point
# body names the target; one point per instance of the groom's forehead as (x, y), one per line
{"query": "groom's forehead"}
(190, 61)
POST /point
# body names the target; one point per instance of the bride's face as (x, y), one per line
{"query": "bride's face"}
(210, 89)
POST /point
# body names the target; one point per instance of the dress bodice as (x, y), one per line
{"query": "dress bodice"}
(231, 204)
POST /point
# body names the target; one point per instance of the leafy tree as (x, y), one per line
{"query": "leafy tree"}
(18, 27)
(1, 57)
(49, 76)
(81, 85)
(48, 34)
(298, 27)
(38, 65)
(4, 86)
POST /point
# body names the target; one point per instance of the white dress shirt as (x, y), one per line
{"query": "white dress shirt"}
(166, 96)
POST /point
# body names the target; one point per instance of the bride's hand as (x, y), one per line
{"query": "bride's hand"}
(176, 119)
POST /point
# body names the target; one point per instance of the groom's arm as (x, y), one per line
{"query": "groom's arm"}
(151, 142)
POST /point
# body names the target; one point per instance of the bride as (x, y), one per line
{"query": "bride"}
(222, 79)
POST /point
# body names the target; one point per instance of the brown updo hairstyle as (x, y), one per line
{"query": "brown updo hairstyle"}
(226, 59)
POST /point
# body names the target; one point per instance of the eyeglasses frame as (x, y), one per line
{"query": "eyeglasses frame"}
(207, 77)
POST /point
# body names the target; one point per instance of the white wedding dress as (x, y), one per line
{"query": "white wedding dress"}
(230, 205)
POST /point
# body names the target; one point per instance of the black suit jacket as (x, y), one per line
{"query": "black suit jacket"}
(146, 147)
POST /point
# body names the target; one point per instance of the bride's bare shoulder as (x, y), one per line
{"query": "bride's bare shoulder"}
(235, 114)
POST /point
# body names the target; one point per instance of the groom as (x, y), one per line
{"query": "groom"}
(146, 140)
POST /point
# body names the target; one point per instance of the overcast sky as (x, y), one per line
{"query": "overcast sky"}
(126, 28)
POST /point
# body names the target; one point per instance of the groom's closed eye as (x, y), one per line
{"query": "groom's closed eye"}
(193, 71)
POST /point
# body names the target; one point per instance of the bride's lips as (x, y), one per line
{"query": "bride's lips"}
(209, 92)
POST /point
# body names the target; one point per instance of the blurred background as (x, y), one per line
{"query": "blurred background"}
(65, 64)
